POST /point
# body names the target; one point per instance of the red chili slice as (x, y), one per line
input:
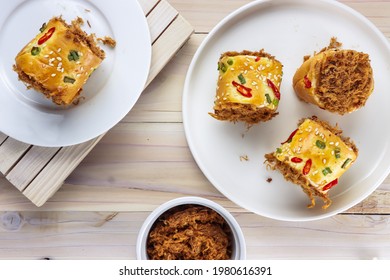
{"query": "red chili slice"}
(307, 167)
(307, 82)
(243, 90)
(274, 88)
(257, 58)
(47, 36)
(290, 137)
(330, 185)
(296, 159)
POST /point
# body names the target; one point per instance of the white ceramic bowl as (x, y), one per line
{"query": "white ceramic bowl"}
(238, 244)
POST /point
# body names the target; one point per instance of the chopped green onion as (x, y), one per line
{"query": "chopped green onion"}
(230, 61)
(73, 55)
(320, 144)
(242, 79)
(337, 153)
(268, 98)
(275, 101)
(348, 160)
(326, 171)
(43, 27)
(35, 51)
(223, 67)
(278, 150)
(69, 80)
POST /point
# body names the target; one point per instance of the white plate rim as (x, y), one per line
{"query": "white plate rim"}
(186, 117)
(117, 24)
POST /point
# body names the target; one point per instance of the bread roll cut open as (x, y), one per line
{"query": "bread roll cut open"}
(337, 80)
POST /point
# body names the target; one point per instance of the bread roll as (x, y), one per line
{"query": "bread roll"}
(314, 157)
(336, 80)
(59, 60)
(248, 87)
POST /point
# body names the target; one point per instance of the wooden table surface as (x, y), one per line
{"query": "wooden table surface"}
(145, 161)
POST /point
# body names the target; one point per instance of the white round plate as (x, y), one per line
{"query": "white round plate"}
(110, 93)
(289, 30)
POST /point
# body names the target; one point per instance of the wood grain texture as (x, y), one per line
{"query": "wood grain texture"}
(112, 235)
(145, 161)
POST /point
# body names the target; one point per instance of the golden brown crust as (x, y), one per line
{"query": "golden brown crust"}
(340, 81)
(190, 232)
(260, 53)
(59, 66)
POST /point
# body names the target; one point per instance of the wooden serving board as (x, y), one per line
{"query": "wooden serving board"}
(38, 172)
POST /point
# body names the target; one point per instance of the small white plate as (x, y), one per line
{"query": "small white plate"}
(110, 93)
(288, 30)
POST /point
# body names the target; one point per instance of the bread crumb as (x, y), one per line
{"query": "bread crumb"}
(244, 158)
(107, 41)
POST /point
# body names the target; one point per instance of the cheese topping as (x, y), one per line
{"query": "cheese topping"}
(318, 154)
(58, 60)
(249, 79)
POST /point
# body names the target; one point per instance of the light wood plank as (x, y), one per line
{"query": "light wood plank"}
(159, 18)
(168, 43)
(113, 235)
(2, 137)
(137, 166)
(57, 170)
(30, 165)
(148, 5)
(205, 14)
(10, 152)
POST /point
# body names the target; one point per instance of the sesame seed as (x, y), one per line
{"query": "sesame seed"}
(46, 56)
(59, 50)
(254, 83)
(324, 161)
(78, 75)
(232, 68)
(331, 143)
(51, 52)
(251, 67)
(53, 75)
(337, 143)
(59, 58)
(59, 65)
(245, 72)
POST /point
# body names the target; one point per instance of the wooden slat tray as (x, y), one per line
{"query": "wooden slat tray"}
(38, 172)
